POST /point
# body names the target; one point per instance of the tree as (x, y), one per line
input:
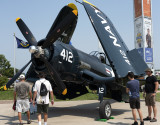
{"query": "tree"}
(9, 72)
(4, 64)
(6, 71)
(5, 67)
(3, 80)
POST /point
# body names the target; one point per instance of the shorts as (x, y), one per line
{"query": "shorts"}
(134, 103)
(22, 105)
(42, 108)
(150, 100)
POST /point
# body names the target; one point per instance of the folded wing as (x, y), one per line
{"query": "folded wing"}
(120, 58)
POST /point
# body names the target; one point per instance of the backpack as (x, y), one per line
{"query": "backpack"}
(43, 90)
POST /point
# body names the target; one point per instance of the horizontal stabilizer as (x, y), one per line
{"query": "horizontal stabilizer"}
(120, 58)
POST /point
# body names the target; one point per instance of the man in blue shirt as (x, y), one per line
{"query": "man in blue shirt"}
(133, 89)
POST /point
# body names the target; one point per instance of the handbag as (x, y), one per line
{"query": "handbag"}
(14, 105)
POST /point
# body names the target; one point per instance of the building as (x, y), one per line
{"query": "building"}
(143, 30)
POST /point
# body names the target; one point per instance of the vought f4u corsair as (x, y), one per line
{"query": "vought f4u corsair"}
(70, 70)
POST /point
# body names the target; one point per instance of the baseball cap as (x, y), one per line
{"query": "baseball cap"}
(148, 70)
(22, 76)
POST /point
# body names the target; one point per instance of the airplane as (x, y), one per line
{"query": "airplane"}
(71, 70)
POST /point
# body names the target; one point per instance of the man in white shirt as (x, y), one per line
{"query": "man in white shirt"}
(42, 101)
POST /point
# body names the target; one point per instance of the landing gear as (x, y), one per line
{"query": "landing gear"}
(105, 106)
(105, 110)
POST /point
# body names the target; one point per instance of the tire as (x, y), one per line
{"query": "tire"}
(105, 110)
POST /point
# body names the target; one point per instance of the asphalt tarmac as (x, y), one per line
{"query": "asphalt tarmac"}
(77, 113)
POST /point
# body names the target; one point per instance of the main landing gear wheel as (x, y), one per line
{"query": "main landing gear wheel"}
(105, 110)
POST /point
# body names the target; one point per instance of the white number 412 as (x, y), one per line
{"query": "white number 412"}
(67, 55)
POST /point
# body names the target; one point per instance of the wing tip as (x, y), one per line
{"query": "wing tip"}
(89, 3)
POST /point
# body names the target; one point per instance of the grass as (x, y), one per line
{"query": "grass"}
(88, 96)
(6, 95)
(157, 96)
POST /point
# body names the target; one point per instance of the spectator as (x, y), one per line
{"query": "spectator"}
(151, 87)
(42, 101)
(134, 99)
(21, 90)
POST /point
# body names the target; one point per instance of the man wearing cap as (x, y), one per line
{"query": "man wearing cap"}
(22, 90)
(151, 87)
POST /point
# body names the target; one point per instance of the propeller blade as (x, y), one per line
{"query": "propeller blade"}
(17, 75)
(54, 75)
(60, 28)
(65, 38)
(26, 32)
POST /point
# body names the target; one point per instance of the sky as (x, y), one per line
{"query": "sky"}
(40, 14)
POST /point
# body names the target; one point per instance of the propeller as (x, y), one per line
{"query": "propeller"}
(17, 75)
(38, 51)
(26, 32)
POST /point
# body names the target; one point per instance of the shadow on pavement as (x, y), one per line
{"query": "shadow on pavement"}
(10, 119)
(13, 120)
(118, 123)
(83, 110)
(116, 112)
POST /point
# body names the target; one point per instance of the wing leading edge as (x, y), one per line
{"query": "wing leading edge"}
(121, 59)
